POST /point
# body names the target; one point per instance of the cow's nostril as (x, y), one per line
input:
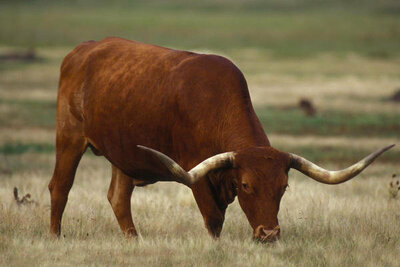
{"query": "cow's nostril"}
(264, 234)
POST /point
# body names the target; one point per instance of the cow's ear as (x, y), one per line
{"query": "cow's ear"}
(236, 178)
(236, 183)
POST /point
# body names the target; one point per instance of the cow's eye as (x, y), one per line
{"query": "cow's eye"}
(245, 186)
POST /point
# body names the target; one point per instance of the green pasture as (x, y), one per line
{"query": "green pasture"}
(284, 28)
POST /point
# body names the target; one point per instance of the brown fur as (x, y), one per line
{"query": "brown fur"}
(115, 94)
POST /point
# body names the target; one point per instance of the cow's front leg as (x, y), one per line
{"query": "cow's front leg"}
(119, 196)
(213, 215)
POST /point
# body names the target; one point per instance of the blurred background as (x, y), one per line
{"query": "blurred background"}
(324, 77)
(315, 68)
(289, 28)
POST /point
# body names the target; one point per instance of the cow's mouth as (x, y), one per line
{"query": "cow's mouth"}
(264, 235)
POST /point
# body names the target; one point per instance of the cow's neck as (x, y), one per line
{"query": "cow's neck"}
(245, 133)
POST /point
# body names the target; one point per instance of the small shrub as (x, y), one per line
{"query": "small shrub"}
(25, 200)
(394, 187)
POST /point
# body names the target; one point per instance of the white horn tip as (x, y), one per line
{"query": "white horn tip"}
(387, 148)
(143, 147)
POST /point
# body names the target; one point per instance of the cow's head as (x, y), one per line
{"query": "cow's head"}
(261, 180)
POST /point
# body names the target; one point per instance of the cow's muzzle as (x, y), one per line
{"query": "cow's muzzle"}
(262, 234)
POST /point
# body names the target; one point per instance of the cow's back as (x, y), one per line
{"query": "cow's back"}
(181, 103)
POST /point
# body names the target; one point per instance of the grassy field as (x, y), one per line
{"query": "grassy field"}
(286, 53)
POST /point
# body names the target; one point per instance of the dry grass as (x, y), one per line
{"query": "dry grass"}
(356, 223)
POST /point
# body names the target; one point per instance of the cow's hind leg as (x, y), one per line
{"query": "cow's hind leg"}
(119, 195)
(69, 150)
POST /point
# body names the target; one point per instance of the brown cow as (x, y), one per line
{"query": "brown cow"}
(117, 94)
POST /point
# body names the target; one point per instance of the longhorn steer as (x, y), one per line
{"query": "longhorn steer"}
(117, 94)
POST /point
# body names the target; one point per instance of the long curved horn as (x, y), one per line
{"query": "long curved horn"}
(218, 161)
(333, 177)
